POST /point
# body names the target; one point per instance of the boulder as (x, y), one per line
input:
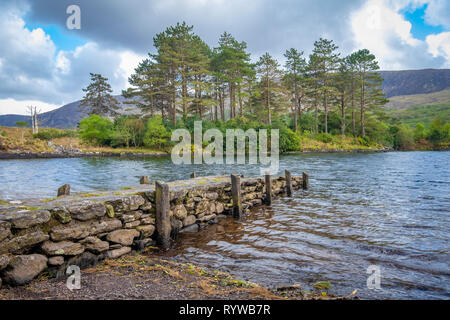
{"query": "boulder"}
(147, 219)
(128, 203)
(27, 219)
(95, 245)
(15, 245)
(146, 231)
(179, 211)
(56, 261)
(80, 230)
(113, 254)
(147, 206)
(219, 207)
(5, 230)
(131, 225)
(61, 215)
(123, 237)
(63, 248)
(189, 220)
(191, 228)
(131, 216)
(87, 211)
(22, 269)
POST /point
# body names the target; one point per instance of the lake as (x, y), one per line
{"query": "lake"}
(391, 210)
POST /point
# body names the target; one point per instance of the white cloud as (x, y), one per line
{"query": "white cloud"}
(34, 72)
(379, 27)
(438, 13)
(439, 45)
(11, 106)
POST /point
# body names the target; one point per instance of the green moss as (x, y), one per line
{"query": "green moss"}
(323, 285)
(49, 200)
(126, 188)
(89, 195)
(4, 202)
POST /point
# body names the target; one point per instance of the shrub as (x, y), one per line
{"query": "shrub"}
(325, 137)
(51, 133)
(96, 129)
(156, 134)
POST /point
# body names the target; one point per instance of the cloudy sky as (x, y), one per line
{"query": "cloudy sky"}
(45, 64)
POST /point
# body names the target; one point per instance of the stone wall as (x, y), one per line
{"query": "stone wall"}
(49, 235)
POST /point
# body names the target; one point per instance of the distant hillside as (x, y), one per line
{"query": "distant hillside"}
(400, 83)
(423, 114)
(65, 117)
(403, 102)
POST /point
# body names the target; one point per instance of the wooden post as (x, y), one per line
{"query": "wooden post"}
(305, 181)
(64, 190)
(193, 175)
(288, 183)
(268, 189)
(162, 203)
(144, 180)
(236, 195)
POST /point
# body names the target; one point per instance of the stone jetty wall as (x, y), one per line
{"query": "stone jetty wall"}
(49, 235)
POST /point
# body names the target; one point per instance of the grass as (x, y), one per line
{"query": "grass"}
(424, 114)
(344, 143)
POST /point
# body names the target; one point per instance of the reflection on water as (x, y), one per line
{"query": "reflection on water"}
(387, 209)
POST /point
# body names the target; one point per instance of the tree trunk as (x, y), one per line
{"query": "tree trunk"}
(325, 108)
(343, 114)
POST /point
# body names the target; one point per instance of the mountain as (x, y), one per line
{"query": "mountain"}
(406, 82)
(422, 99)
(67, 116)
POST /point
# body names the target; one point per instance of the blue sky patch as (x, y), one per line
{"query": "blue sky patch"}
(64, 39)
(420, 29)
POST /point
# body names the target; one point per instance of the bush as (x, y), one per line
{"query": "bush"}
(419, 132)
(96, 130)
(51, 133)
(324, 137)
(156, 134)
(289, 140)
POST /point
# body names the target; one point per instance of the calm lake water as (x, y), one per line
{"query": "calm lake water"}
(391, 210)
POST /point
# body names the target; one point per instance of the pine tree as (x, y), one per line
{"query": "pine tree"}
(98, 99)
(369, 82)
(267, 69)
(324, 61)
(294, 79)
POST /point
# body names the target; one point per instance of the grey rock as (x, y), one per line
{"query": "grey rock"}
(56, 261)
(132, 225)
(191, 228)
(123, 237)
(113, 254)
(131, 216)
(62, 248)
(146, 231)
(189, 220)
(15, 245)
(179, 211)
(61, 215)
(79, 230)
(95, 245)
(87, 211)
(22, 269)
(27, 219)
(5, 230)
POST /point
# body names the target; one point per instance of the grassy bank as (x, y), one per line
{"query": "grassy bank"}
(17, 140)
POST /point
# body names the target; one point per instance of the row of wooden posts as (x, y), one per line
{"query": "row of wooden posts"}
(162, 200)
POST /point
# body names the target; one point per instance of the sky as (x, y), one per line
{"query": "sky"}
(45, 64)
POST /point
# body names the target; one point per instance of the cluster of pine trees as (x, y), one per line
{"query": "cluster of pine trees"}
(185, 77)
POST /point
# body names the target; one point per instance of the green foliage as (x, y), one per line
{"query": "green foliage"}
(22, 124)
(424, 114)
(51, 133)
(156, 135)
(324, 137)
(96, 130)
(439, 132)
(419, 132)
(98, 99)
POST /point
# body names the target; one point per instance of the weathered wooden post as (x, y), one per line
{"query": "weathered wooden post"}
(236, 195)
(144, 180)
(288, 183)
(305, 181)
(193, 175)
(64, 190)
(162, 203)
(268, 189)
